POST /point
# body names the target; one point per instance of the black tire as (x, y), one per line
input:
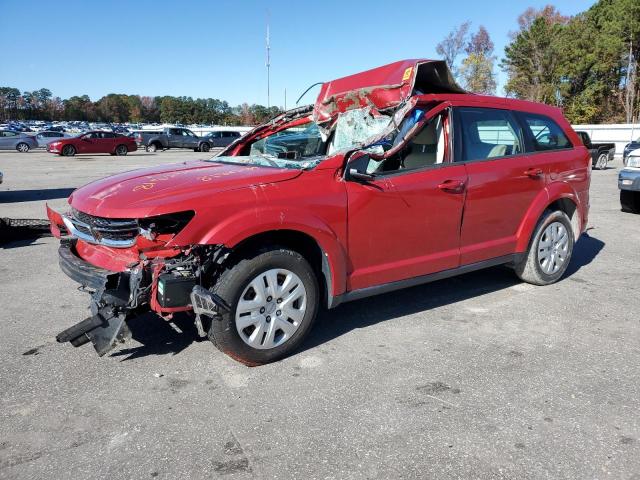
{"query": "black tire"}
(23, 147)
(231, 284)
(529, 269)
(68, 151)
(630, 201)
(205, 147)
(121, 150)
(152, 148)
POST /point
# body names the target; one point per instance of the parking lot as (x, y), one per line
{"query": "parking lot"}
(479, 376)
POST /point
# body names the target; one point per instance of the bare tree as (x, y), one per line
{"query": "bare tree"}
(453, 45)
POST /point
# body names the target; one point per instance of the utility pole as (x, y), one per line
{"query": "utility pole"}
(285, 99)
(268, 64)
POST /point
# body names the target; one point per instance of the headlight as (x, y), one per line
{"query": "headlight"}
(171, 223)
(633, 161)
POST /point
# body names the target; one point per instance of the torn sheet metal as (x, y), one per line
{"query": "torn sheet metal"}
(384, 87)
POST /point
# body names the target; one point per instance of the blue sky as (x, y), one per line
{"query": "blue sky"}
(216, 48)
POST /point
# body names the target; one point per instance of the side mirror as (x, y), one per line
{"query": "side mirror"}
(357, 168)
(357, 175)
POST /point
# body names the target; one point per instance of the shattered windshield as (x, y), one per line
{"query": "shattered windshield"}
(299, 147)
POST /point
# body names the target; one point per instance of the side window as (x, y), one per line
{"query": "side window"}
(545, 133)
(175, 131)
(488, 133)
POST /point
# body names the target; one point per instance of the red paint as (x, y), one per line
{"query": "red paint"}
(396, 227)
(83, 144)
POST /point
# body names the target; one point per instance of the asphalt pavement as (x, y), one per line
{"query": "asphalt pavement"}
(479, 376)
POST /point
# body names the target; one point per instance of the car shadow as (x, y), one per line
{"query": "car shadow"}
(17, 196)
(15, 233)
(585, 251)
(159, 337)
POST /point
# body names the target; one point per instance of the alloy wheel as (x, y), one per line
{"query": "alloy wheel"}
(23, 147)
(553, 248)
(601, 163)
(271, 308)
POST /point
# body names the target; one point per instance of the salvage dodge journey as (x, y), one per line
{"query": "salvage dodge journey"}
(394, 177)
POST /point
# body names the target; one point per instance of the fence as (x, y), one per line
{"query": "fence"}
(618, 133)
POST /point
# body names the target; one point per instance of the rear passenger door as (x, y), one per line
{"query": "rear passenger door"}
(503, 180)
(174, 138)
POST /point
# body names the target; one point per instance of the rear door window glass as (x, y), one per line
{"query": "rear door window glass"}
(545, 133)
(488, 133)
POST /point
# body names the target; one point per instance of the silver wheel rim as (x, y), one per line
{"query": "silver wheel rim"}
(553, 248)
(602, 162)
(271, 309)
(23, 147)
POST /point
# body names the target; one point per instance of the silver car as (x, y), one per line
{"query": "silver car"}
(48, 136)
(10, 140)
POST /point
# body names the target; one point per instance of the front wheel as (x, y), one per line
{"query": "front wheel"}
(152, 148)
(550, 250)
(274, 300)
(630, 201)
(22, 147)
(68, 150)
(121, 150)
(205, 147)
(601, 163)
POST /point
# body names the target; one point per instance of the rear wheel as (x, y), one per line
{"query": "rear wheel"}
(274, 297)
(68, 150)
(205, 147)
(22, 147)
(630, 201)
(549, 251)
(122, 150)
(601, 163)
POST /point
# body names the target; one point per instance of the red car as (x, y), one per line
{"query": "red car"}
(94, 142)
(395, 177)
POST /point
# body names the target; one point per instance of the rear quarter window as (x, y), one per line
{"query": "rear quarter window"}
(544, 133)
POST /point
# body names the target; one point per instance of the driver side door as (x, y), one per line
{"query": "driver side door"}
(404, 222)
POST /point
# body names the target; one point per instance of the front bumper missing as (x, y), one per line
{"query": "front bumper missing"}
(109, 306)
(105, 330)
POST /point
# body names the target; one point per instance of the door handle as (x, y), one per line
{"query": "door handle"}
(533, 172)
(452, 186)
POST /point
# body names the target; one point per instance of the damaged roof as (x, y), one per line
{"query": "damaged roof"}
(384, 87)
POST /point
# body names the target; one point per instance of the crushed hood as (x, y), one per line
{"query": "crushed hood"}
(169, 188)
(384, 87)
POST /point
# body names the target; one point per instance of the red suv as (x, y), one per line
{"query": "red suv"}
(393, 178)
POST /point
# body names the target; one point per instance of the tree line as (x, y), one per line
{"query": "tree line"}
(586, 64)
(120, 108)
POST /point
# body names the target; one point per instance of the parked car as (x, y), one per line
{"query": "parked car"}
(628, 148)
(172, 137)
(392, 188)
(93, 142)
(221, 138)
(48, 136)
(12, 140)
(1, 177)
(629, 183)
(601, 153)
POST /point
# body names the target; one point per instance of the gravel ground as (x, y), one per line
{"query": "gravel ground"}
(479, 376)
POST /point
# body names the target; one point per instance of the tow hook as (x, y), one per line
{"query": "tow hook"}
(208, 304)
(104, 329)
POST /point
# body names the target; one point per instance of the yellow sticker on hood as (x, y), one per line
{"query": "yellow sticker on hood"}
(407, 74)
